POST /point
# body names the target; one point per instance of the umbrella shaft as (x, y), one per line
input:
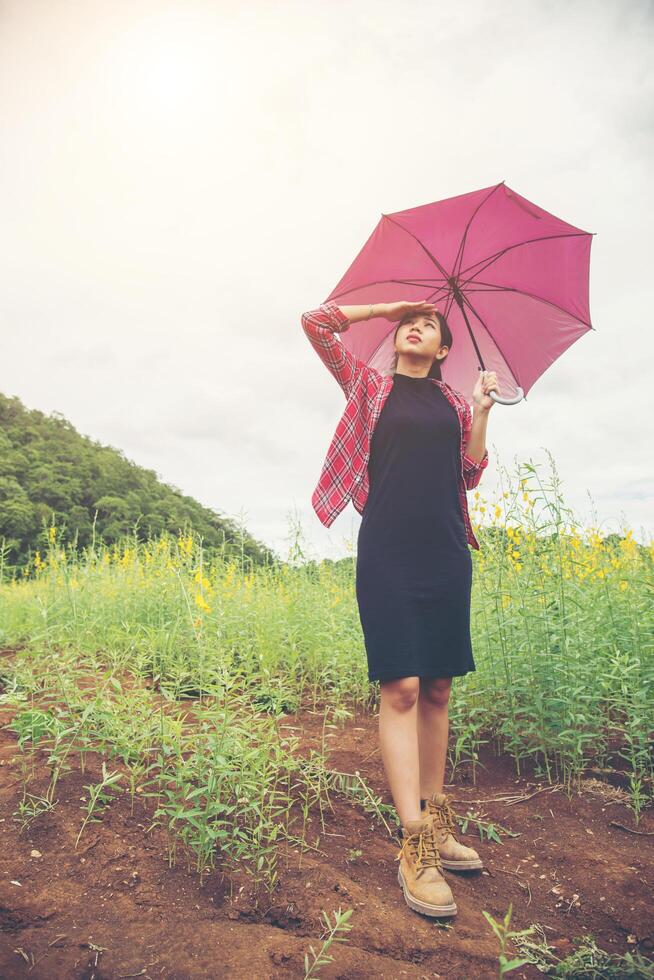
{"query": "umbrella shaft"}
(459, 299)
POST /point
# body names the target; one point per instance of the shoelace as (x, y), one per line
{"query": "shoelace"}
(443, 815)
(423, 848)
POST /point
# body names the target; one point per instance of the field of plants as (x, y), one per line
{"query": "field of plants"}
(190, 784)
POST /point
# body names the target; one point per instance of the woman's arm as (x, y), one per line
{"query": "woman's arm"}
(320, 326)
(476, 445)
(355, 313)
(475, 454)
(474, 432)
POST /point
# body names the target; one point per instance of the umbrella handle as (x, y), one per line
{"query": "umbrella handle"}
(508, 401)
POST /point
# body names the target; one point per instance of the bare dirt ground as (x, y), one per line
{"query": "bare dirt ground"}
(113, 908)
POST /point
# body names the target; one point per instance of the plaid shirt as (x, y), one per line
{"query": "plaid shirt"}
(344, 474)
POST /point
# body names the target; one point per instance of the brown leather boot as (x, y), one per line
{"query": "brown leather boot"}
(425, 889)
(454, 856)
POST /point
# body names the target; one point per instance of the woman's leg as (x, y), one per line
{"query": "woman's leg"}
(398, 740)
(433, 727)
(433, 723)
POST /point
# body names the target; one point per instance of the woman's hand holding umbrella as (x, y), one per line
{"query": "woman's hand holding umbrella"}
(486, 382)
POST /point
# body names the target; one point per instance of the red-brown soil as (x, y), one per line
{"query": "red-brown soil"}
(115, 909)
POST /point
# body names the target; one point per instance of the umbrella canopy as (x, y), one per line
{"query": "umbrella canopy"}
(511, 279)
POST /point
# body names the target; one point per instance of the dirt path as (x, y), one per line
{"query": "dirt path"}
(115, 909)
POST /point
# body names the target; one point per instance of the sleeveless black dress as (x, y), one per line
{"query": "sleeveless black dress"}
(413, 566)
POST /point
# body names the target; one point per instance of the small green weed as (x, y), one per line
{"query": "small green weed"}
(504, 934)
(322, 958)
(587, 962)
(100, 796)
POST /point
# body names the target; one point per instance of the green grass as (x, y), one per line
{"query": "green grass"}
(175, 667)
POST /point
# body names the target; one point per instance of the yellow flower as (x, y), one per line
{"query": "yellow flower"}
(185, 544)
(199, 601)
(203, 581)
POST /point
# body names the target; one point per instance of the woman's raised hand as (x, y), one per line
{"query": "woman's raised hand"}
(396, 311)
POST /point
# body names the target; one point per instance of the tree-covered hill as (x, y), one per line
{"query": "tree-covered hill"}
(49, 472)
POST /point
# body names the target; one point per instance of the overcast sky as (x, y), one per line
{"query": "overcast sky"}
(180, 180)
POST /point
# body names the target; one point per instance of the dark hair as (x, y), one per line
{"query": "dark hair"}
(446, 341)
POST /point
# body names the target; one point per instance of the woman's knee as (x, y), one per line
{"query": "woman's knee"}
(400, 694)
(436, 690)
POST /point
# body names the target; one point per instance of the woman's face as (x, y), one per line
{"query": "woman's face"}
(420, 335)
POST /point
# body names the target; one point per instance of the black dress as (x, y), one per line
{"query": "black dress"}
(414, 567)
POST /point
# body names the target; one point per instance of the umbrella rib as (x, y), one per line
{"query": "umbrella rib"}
(376, 282)
(426, 283)
(523, 292)
(374, 351)
(489, 260)
(462, 244)
(469, 304)
(505, 358)
(422, 281)
(529, 241)
(492, 288)
(423, 247)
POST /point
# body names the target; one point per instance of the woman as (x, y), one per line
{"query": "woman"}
(405, 452)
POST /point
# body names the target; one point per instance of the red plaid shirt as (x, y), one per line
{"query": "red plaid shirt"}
(344, 474)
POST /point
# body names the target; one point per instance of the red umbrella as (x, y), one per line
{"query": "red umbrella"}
(510, 278)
